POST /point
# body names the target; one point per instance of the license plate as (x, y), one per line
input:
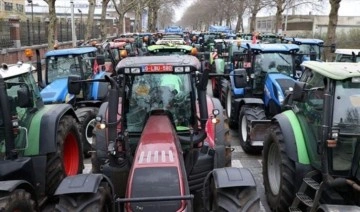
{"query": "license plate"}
(158, 68)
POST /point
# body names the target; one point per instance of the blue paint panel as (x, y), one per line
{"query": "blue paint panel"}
(95, 85)
(55, 92)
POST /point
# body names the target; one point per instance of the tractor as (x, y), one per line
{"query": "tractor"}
(39, 144)
(256, 89)
(347, 55)
(161, 144)
(310, 48)
(312, 149)
(83, 62)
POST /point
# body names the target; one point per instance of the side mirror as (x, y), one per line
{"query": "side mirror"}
(25, 97)
(100, 59)
(298, 93)
(74, 87)
(240, 78)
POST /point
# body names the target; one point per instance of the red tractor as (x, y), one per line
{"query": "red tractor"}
(160, 145)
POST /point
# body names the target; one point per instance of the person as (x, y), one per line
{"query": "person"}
(272, 67)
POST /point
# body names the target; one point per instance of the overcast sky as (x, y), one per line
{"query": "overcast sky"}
(347, 8)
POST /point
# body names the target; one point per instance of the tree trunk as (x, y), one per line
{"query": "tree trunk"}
(121, 23)
(278, 20)
(155, 18)
(150, 16)
(52, 25)
(252, 22)
(238, 23)
(103, 30)
(90, 20)
(138, 14)
(331, 33)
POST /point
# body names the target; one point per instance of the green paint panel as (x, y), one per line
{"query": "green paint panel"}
(303, 156)
(34, 131)
(220, 66)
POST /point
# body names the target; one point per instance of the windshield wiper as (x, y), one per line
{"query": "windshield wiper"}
(282, 57)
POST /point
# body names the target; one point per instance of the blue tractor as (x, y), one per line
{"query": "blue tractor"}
(310, 48)
(85, 63)
(261, 75)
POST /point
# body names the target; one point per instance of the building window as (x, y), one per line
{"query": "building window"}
(20, 8)
(8, 6)
(258, 24)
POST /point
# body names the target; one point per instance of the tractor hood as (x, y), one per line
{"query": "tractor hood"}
(281, 81)
(157, 170)
(55, 92)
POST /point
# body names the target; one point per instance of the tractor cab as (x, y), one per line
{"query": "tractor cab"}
(310, 49)
(171, 48)
(347, 55)
(81, 62)
(318, 141)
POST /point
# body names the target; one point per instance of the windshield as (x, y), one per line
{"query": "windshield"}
(305, 49)
(167, 92)
(63, 66)
(346, 118)
(274, 62)
(346, 58)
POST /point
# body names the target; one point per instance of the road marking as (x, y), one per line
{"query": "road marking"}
(87, 169)
(236, 163)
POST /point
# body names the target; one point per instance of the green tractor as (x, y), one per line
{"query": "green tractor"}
(312, 152)
(39, 144)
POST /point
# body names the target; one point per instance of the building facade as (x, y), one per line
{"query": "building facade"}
(310, 25)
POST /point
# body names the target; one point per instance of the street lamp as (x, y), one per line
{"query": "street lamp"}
(73, 34)
(32, 19)
(80, 24)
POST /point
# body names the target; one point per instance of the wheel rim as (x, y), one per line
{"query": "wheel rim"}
(71, 155)
(228, 104)
(89, 130)
(244, 133)
(274, 169)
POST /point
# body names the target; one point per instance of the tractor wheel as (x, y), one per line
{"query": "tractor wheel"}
(99, 155)
(230, 110)
(278, 172)
(17, 200)
(67, 160)
(228, 149)
(87, 125)
(247, 114)
(99, 201)
(235, 199)
(225, 86)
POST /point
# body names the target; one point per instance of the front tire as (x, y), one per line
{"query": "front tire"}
(17, 200)
(230, 109)
(88, 202)
(278, 172)
(247, 114)
(67, 160)
(99, 155)
(87, 125)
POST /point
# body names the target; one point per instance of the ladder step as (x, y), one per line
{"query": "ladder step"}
(312, 183)
(293, 209)
(305, 199)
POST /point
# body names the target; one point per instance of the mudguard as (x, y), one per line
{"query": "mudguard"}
(11, 185)
(48, 126)
(290, 127)
(82, 183)
(232, 177)
(239, 102)
(219, 136)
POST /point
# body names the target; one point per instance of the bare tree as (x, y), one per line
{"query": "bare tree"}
(331, 32)
(254, 7)
(103, 30)
(122, 7)
(240, 10)
(52, 24)
(166, 16)
(90, 19)
(154, 7)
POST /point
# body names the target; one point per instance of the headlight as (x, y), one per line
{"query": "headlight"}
(135, 70)
(280, 97)
(179, 69)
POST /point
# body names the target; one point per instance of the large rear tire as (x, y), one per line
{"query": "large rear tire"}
(247, 114)
(87, 125)
(236, 199)
(87, 202)
(17, 200)
(278, 172)
(67, 160)
(225, 85)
